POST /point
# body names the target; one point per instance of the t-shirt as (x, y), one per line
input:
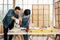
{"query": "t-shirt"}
(25, 22)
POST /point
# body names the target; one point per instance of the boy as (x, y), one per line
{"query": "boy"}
(25, 22)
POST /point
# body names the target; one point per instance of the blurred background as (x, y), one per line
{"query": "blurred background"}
(43, 12)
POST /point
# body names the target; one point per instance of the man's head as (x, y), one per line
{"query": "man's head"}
(17, 10)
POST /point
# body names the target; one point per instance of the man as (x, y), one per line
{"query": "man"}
(8, 21)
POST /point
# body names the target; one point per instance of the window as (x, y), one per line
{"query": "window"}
(0, 12)
(5, 5)
(19, 2)
(10, 1)
(1, 2)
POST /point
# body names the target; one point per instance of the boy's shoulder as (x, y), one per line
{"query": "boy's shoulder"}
(26, 16)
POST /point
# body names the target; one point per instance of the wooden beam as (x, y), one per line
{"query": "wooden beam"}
(14, 3)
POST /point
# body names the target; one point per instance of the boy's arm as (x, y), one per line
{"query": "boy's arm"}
(20, 19)
(29, 19)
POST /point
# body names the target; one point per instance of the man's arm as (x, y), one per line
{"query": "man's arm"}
(13, 18)
(10, 14)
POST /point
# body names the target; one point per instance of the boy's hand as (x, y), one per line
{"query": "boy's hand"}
(20, 19)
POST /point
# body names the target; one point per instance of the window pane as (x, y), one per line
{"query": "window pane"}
(25, 1)
(30, 7)
(5, 1)
(10, 7)
(51, 9)
(35, 1)
(25, 7)
(0, 11)
(45, 1)
(40, 1)
(5, 9)
(30, 1)
(50, 1)
(21, 6)
(19, 1)
(10, 1)
(1, 2)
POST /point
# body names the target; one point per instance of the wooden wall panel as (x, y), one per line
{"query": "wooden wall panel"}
(1, 29)
(46, 6)
(40, 11)
(40, 23)
(40, 6)
(46, 17)
(41, 17)
(56, 18)
(57, 14)
(41, 14)
(56, 5)
(59, 3)
(46, 11)
(46, 23)
(35, 6)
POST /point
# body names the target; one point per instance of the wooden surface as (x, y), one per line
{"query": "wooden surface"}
(1, 29)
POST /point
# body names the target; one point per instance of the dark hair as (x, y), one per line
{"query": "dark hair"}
(27, 12)
(17, 8)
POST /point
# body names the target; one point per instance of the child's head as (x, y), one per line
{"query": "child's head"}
(27, 12)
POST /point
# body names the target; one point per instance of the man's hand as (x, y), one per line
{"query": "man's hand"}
(13, 18)
(17, 21)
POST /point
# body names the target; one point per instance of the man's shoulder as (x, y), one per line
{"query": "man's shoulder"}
(11, 10)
